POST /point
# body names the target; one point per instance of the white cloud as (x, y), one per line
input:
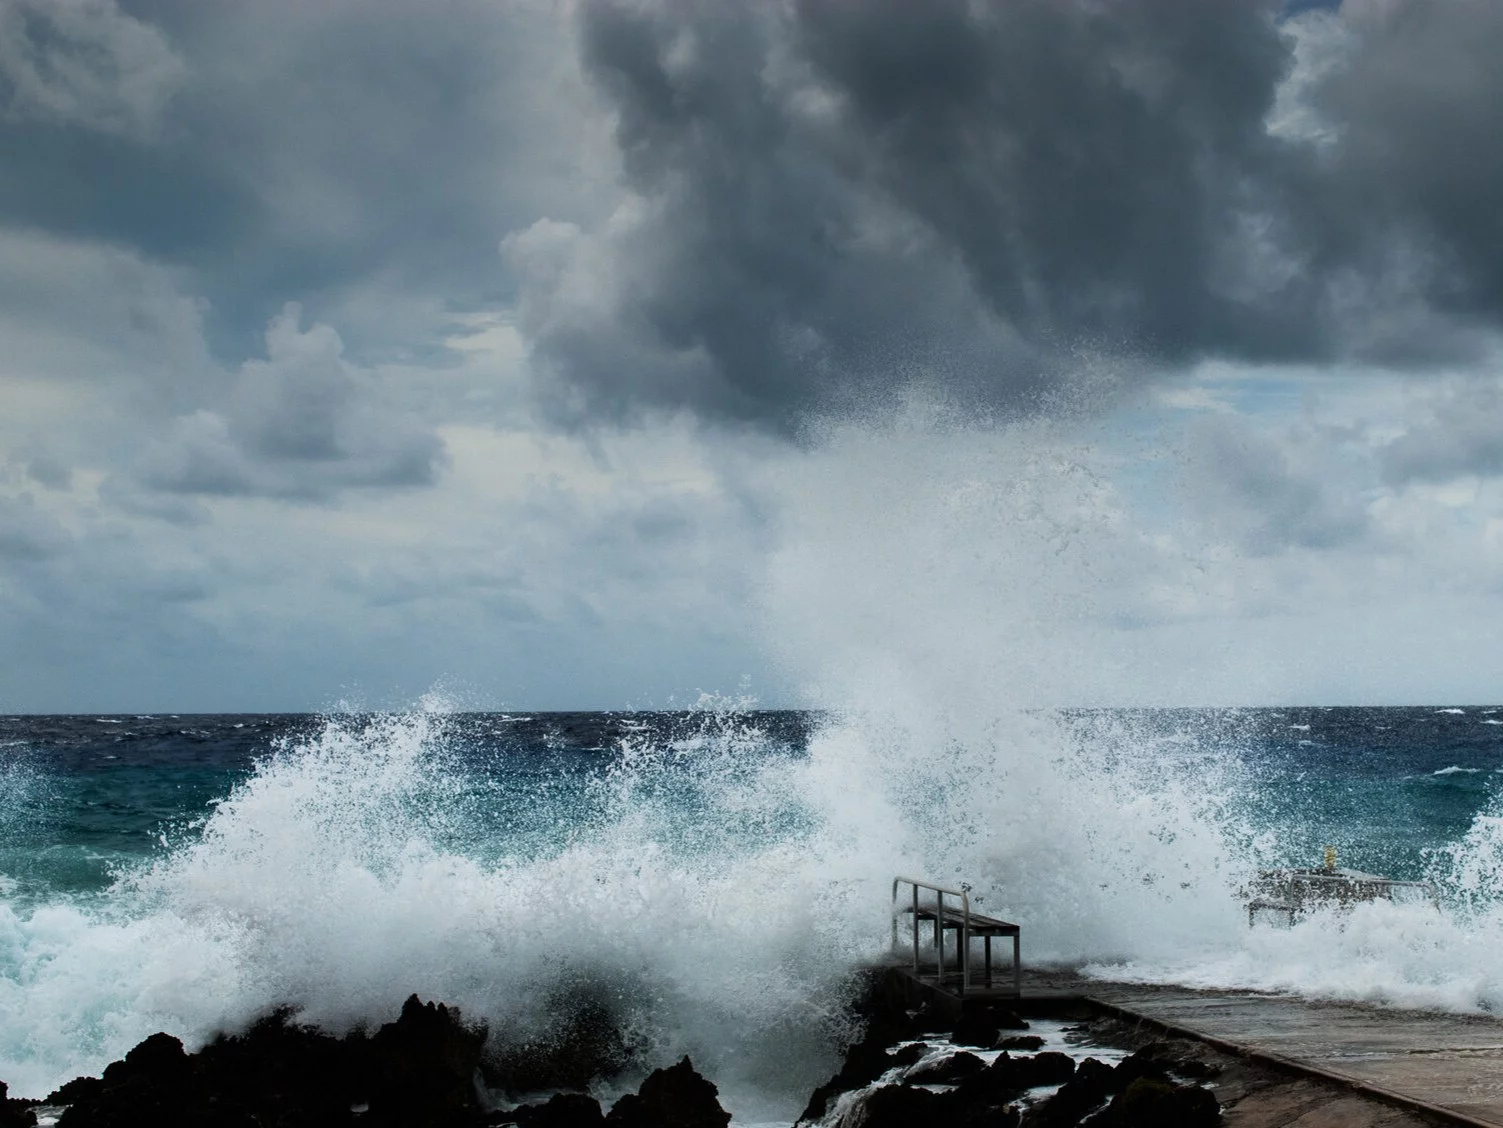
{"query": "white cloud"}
(302, 424)
(1455, 429)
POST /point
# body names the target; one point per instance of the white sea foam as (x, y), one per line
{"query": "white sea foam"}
(336, 880)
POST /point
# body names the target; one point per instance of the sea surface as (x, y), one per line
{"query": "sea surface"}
(708, 878)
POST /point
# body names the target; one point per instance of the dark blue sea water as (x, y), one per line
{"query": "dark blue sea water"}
(716, 872)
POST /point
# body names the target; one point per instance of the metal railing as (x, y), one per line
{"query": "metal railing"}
(920, 910)
(1293, 892)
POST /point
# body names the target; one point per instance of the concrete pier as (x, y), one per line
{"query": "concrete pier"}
(1426, 1068)
(1449, 1067)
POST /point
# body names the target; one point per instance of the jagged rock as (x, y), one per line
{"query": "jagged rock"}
(896, 1106)
(161, 1056)
(1178, 1056)
(1019, 1073)
(910, 1054)
(423, 1067)
(981, 1026)
(1083, 1093)
(865, 1061)
(945, 1071)
(154, 1084)
(1137, 1066)
(562, 1110)
(975, 1030)
(79, 1089)
(417, 1072)
(1151, 1103)
(1096, 1074)
(15, 1113)
(676, 1097)
(899, 1106)
(1019, 1042)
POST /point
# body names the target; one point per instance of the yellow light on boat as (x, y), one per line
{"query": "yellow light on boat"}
(1330, 857)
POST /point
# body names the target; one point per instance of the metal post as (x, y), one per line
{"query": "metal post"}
(1017, 965)
(915, 929)
(938, 936)
(965, 941)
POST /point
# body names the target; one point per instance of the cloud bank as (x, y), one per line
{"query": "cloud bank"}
(827, 198)
(349, 343)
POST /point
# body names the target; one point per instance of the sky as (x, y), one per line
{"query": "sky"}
(614, 353)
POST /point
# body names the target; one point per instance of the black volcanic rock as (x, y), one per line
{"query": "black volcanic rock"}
(902, 1106)
(562, 1110)
(417, 1072)
(1135, 1067)
(1008, 1074)
(423, 1067)
(945, 1071)
(72, 1092)
(1019, 1042)
(910, 1054)
(1178, 1056)
(1151, 1103)
(15, 1113)
(981, 1026)
(676, 1097)
(897, 1106)
(1086, 1091)
(975, 1030)
(277, 1070)
(154, 1084)
(865, 1061)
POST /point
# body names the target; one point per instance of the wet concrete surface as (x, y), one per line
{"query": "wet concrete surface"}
(1449, 1062)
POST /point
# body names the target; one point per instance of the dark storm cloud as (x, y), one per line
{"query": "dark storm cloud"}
(752, 210)
(829, 197)
(1419, 102)
(287, 150)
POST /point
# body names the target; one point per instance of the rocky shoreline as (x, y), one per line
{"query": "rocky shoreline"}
(431, 1069)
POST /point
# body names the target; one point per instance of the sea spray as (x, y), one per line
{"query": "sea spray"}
(952, 590)
(937, 586)
(682, 885)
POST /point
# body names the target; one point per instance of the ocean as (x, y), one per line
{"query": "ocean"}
(709, 878)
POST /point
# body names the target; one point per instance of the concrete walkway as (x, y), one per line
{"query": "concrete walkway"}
(1446, 1064)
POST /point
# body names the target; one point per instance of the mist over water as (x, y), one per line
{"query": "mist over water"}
(711, 879)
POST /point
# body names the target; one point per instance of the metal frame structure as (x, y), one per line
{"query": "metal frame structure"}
(959, 918)
(1295, 891)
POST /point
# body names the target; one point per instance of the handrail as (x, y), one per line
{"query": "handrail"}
(940, 892)
(1357, 882)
